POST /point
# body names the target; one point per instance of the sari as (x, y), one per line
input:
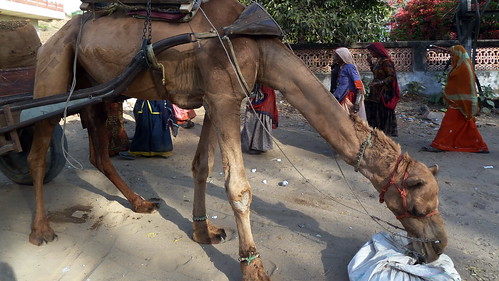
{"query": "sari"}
(346, 83)
(183, 115)
(384, 96)
(458, 131)
(152, 137)
(256, 134)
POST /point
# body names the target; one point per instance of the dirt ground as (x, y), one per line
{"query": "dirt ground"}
(306, 230)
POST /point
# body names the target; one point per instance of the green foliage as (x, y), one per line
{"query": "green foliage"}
(486, 99)
(438, 99)
(43, 27)
(330, 21)
(441, 78)
(414, 87)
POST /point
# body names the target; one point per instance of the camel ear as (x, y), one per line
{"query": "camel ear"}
(434, 169)
(415, 182)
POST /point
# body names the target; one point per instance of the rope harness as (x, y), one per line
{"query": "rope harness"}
(367, 142)
(403, 192)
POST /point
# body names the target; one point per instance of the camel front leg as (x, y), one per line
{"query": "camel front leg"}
(204, 231)
(225, 113)
(94, 119)
(40, 228)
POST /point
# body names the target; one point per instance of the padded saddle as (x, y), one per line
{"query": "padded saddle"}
(171, 6)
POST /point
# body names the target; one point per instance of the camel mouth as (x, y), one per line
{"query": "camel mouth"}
(419, 257)
(426, 252)
(427, 238)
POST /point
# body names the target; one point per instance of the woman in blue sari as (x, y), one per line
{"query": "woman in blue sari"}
(153, 120)
(346, 84)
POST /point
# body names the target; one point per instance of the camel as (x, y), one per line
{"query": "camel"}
(200, 74)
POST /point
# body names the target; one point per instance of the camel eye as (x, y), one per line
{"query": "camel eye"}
(417, 185)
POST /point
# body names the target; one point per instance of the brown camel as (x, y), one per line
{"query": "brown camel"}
(200, 74)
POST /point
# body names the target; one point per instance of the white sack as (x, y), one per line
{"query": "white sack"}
(383, 259)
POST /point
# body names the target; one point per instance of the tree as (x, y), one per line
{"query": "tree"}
(435, 20)
(330, 21)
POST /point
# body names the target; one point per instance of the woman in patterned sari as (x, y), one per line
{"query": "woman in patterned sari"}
(458, 131)
(384, 91)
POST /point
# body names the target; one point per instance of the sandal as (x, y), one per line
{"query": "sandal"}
(126, 155)
(187, 124)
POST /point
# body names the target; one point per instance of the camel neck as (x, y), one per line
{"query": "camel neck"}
(377, 155)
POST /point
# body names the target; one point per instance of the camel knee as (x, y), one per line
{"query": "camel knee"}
(242, 203)
(199, 171)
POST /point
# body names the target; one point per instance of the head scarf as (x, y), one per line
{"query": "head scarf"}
(347, 58)
(461, 90)
(379, 49)
(345, 55)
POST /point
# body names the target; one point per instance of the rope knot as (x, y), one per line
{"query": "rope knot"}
(252, 256)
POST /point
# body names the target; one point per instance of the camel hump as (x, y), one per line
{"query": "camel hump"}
(21, 44)
(254, 20)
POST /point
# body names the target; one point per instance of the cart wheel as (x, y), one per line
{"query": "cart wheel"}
(14, 165)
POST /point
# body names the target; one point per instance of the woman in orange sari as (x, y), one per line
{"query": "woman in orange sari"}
(458, 131)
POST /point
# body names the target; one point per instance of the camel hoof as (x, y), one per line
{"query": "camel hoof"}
(37, 238)
(207, 233)
(254, 271)
(146, 207)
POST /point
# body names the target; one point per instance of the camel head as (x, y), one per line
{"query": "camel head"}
(411, 193)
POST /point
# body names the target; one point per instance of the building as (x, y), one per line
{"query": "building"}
(32, 10)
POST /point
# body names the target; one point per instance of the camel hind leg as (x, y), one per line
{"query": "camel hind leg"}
(204, 231)
(53, 72)
(94, 119)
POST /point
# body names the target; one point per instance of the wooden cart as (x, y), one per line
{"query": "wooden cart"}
(16, 85)
(19, 111)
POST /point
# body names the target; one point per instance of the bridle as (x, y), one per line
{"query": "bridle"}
(403, 192)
